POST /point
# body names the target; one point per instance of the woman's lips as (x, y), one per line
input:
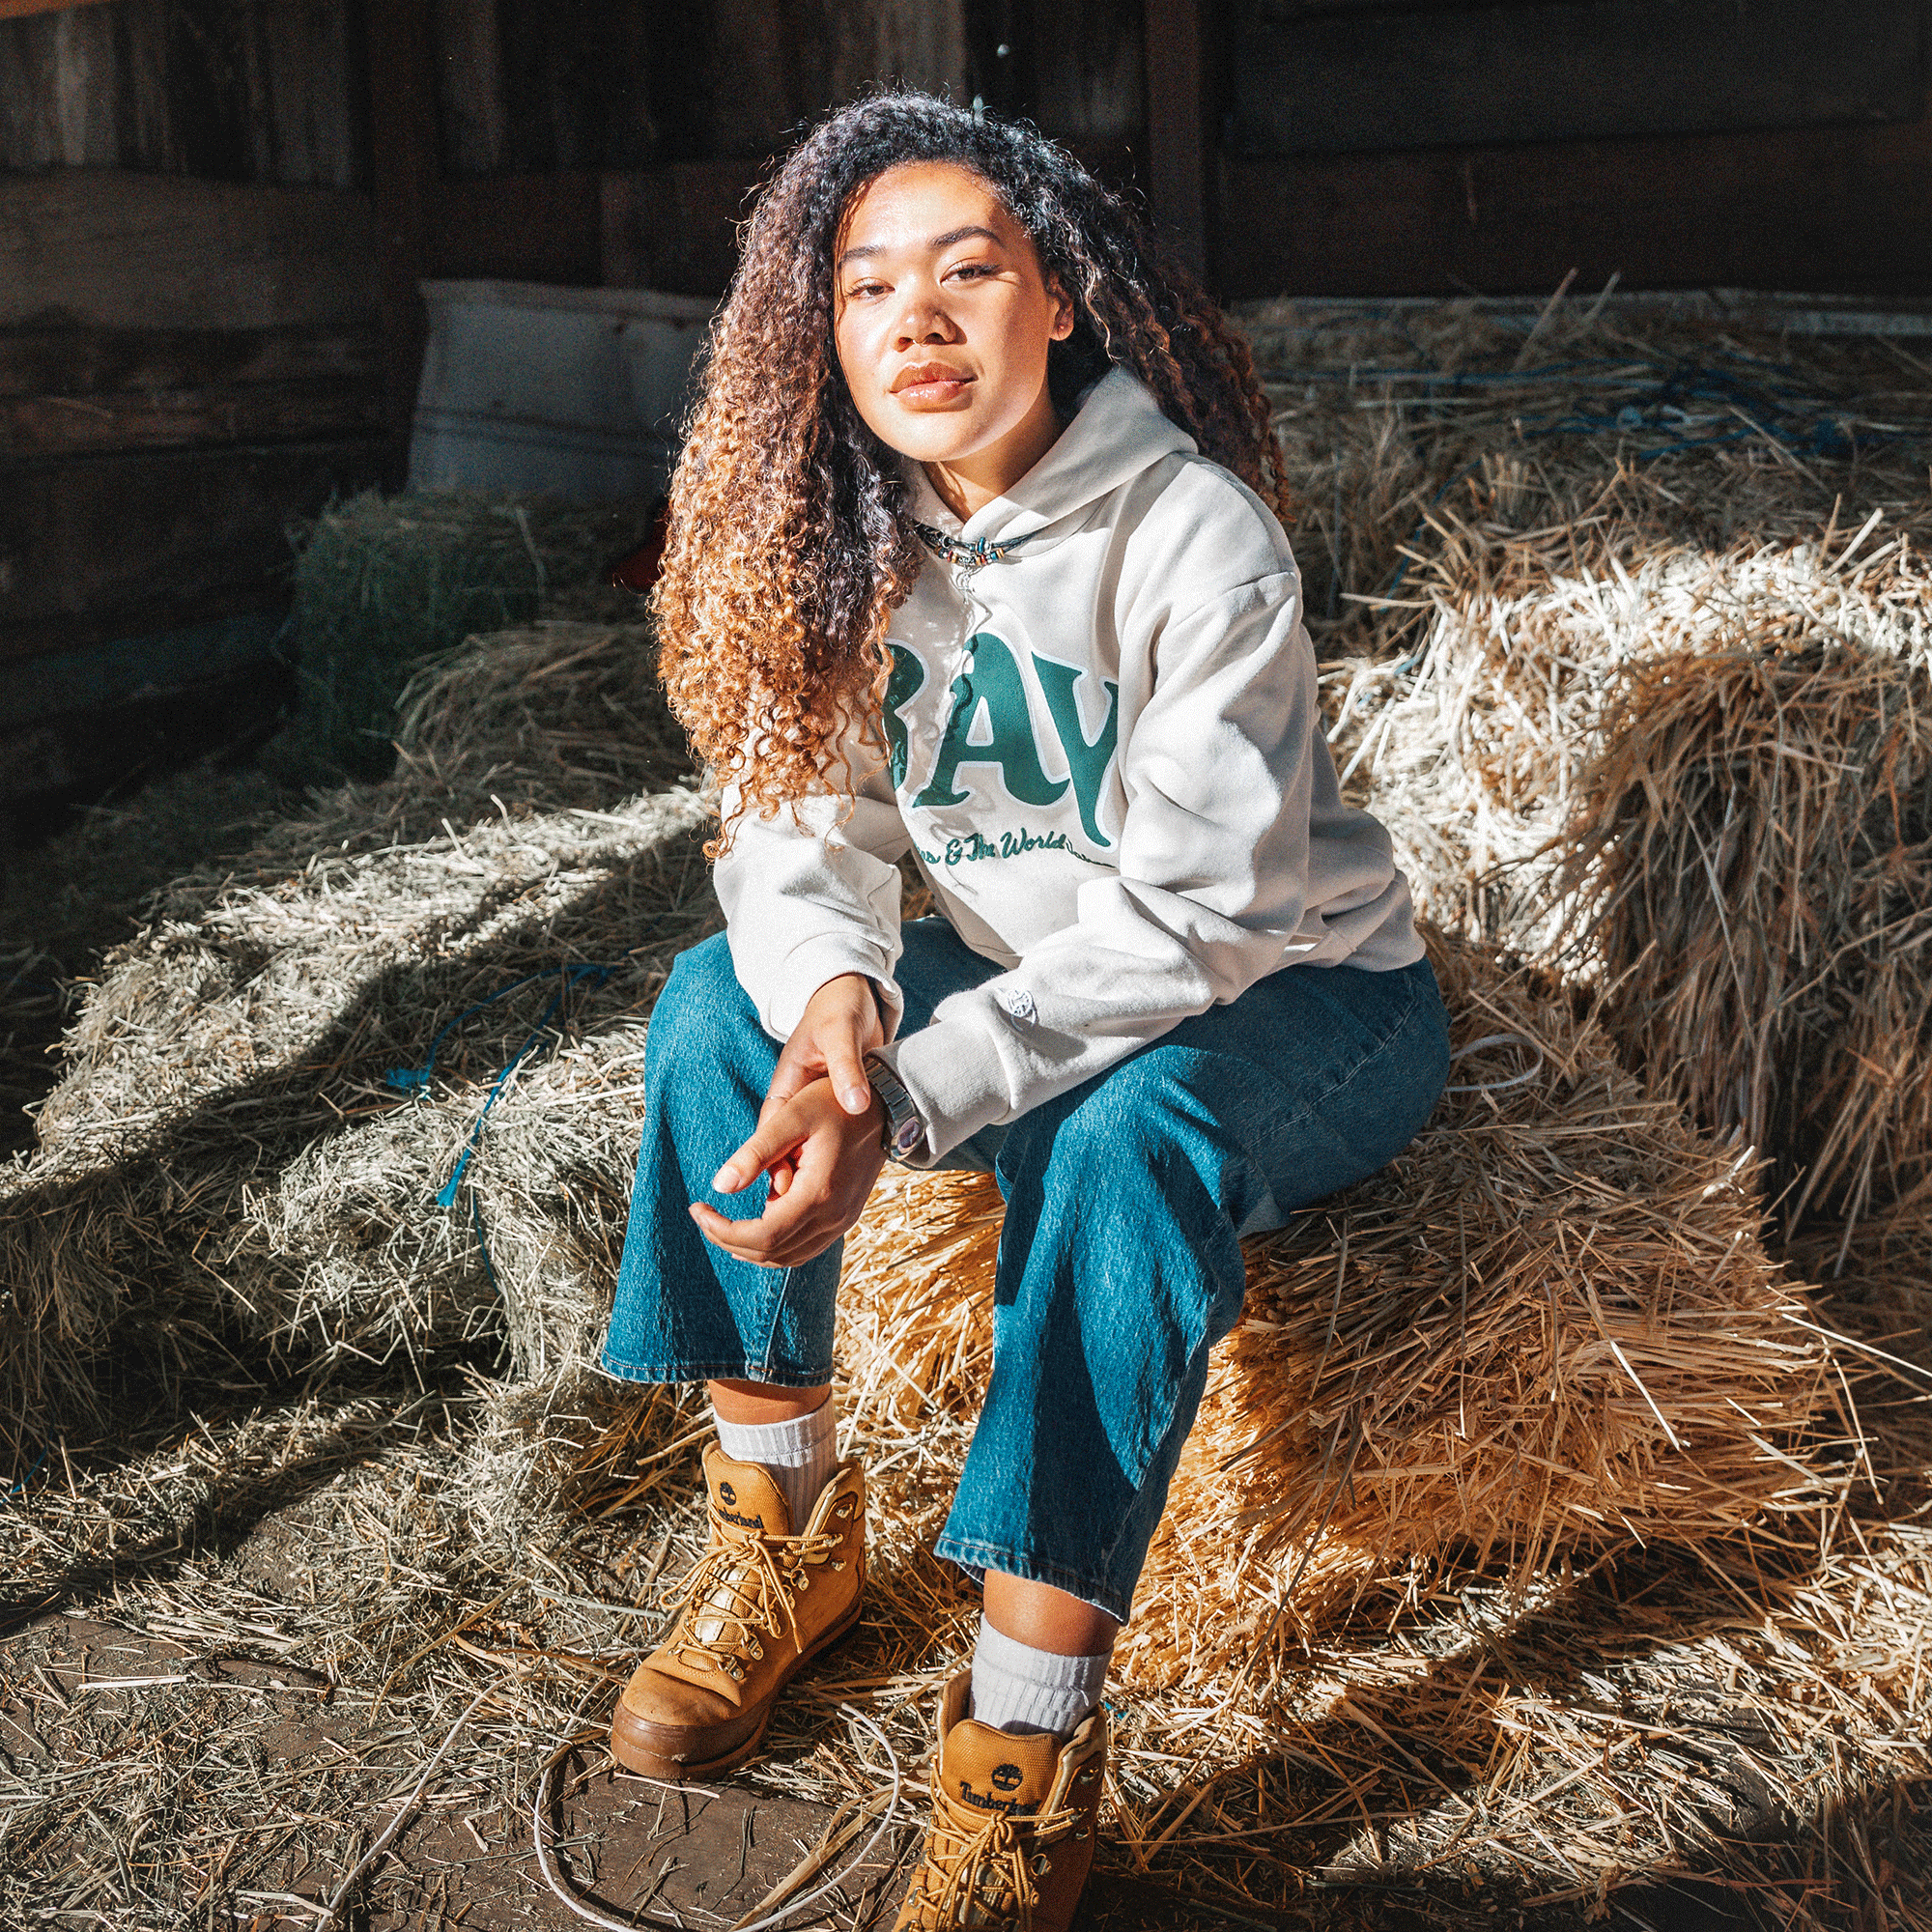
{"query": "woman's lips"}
(934, 393)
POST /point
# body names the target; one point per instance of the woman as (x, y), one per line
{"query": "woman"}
(975, 552)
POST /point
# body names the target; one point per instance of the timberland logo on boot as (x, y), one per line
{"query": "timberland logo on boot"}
(1006, 1776)
(729, 1496)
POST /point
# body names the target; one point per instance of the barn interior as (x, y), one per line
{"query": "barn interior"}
(1583, 1570)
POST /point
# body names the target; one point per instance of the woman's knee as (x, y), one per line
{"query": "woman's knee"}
(702, 1007)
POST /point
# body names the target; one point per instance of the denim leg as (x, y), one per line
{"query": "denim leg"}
(1120, 1262)
(683, 1310)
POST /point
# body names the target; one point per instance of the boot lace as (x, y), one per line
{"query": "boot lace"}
(744, 1588)
(986, 1871)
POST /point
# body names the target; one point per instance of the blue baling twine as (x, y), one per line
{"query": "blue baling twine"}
(414, 1079)
(19, 1489)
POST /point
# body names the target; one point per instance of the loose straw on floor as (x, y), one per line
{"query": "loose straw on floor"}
(332, 1910)
(540, 1798)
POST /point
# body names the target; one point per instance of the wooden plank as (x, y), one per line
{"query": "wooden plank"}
(96, 548)
(1832, 210)
(34, 690)
(112, 362)
(1089, 72)
(14, 10)
(469, 48)
(233, 415)
(405, 164)
(1601, 69)
(675, 228)
(61, 79)
(1177, 124)
(113, 249)
(305, 92)
(520, 228)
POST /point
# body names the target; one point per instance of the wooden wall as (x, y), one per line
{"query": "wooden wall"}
(1374, 147)
(617, 141)
(190, 358)
(226, 90)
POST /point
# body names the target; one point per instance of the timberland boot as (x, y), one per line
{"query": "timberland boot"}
(1012, 1837)
(757, 1607)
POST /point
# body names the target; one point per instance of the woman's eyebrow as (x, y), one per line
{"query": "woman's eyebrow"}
(938, 242)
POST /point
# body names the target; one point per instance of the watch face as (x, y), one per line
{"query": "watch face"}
(906, 1136)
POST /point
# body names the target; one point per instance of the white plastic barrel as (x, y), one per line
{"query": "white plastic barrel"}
(572, 392)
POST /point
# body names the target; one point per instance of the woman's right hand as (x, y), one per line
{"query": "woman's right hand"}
(822, 1160)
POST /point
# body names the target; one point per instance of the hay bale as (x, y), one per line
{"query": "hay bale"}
(382, 583)
(1548, 1329)
(1751, 860)
(1474, 747)
(225, 1163)
(1399, 424)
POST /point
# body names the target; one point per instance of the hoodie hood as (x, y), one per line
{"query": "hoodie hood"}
(1118, 431)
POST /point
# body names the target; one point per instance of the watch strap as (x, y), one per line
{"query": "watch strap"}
(904, 1136)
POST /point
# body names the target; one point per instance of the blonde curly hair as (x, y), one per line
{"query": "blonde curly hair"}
(789, 546)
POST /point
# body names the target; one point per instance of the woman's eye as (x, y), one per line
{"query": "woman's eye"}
(971, 270)
(864, 291)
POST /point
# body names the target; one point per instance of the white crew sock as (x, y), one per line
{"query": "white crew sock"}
(801, 1454)
(1016, 1687)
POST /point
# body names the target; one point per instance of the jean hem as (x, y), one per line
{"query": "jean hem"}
(980, 1557)
(777, 1374)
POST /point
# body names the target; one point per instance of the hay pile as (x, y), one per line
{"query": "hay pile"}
(384, 584)
(227, 1165)
(1473, 744)
(1548, 1330)
(1603, 687)
(1751, 859)
(1401, 420)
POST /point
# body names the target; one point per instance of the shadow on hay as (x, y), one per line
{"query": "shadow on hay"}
(114, 1290)
(1770, 1844)
(374, 1411)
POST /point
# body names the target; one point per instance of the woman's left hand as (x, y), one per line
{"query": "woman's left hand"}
(822, 1161)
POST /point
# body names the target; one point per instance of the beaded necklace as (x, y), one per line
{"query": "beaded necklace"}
(974, 556)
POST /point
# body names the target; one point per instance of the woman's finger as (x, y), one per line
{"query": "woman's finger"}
(775, 1238)
(778, 1135)
(845, 1067)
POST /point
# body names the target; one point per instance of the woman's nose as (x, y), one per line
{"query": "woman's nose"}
(925, 320)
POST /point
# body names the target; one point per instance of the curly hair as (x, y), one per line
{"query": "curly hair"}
(787, 548)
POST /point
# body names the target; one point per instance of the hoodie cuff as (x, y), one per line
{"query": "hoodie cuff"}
(815, 964)
(950, 1070)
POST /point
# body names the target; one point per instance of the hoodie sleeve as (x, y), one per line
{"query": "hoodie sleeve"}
(808, 896)
(1220, 774)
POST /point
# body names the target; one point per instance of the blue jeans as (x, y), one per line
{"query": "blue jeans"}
(1120, 1261)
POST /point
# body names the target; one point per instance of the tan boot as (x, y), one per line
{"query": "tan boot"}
(759, 1605)
(1012, 1837)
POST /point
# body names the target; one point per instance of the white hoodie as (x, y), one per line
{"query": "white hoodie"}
(1107, 753)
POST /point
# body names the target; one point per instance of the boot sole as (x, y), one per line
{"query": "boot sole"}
(647, 1763)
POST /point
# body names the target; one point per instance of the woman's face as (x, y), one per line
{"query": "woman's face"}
(942, 323)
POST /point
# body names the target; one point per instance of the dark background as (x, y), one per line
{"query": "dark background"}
(214, 214)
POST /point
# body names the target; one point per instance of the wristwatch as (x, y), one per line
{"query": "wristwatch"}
(903, 1138)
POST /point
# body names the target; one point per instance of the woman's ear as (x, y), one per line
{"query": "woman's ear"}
(1062, 310)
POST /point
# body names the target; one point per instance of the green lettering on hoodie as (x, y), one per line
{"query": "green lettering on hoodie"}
(901, 688)
(994, 682)
(1087, 762)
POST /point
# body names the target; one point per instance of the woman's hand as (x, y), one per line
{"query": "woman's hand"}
(839, 1026)
(822, 1160)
